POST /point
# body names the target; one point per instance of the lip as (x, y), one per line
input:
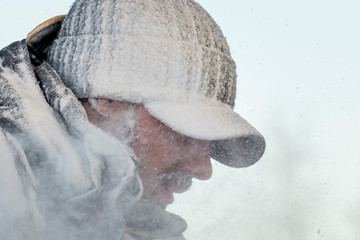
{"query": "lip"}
(163, 193)
(176, 189)
(160, 196)
(166, 195)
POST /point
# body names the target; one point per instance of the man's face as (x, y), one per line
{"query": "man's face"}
(167, 160)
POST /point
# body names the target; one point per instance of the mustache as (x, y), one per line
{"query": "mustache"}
(179, 178)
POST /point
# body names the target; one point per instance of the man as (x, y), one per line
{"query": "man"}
(107, 112)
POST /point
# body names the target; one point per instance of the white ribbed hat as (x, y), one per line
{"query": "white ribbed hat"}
(169, 55)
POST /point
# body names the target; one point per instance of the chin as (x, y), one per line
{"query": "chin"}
(160, 196)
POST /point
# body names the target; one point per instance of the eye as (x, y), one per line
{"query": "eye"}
(188, 141)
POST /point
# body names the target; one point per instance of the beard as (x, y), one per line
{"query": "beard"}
(144, 215)
(161, 189)
(145, 220)
(149, 218)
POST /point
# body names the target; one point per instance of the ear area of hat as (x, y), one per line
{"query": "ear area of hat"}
(41, 37)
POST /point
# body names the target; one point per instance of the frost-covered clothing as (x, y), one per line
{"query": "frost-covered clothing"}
(60, 176)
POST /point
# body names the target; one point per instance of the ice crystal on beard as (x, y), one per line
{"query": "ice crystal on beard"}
(179, 178)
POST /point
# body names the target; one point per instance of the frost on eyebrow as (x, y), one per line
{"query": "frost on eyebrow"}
(117, 118)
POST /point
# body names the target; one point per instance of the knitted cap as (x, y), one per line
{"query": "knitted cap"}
(168, 55)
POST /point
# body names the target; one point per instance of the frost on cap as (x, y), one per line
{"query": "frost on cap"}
(142, 51)
(169, 55)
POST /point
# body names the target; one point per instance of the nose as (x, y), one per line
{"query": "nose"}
(197, 159)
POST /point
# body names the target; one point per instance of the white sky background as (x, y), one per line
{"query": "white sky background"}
(298, 83)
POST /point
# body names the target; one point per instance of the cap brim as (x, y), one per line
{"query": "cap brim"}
(233, 141)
